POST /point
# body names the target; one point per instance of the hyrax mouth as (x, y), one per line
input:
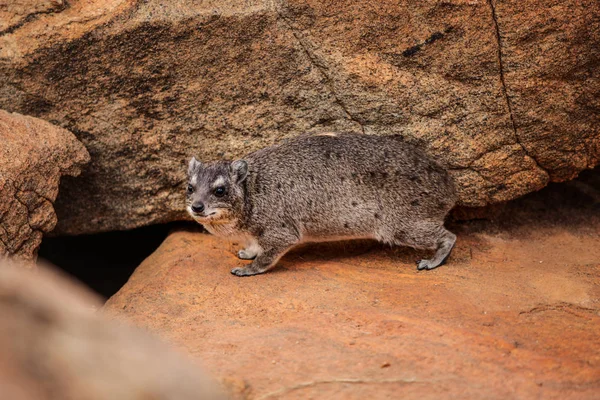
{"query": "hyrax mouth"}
(215, 217)
(203, 216)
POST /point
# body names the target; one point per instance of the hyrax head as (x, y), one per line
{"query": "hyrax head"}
(214, 192)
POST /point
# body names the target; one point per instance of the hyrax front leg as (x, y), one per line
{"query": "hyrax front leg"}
(246, 254)
(445, 243)
(251, 251)
(270, 251)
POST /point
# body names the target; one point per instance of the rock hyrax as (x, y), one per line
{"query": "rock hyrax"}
(321, 188)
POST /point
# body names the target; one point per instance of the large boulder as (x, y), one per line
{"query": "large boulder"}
(504, 93)
(34, 155)
(55, 346)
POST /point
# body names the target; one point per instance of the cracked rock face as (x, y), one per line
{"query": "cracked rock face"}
(506, 94)
(34, 155)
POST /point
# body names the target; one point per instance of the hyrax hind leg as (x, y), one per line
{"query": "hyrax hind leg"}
(443, 242)
(426, 235)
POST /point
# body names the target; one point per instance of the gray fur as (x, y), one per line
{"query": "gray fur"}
(327, 187)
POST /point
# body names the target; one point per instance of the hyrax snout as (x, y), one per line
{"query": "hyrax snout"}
(321, 188)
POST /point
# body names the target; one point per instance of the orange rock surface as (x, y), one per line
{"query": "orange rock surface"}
(514, 313)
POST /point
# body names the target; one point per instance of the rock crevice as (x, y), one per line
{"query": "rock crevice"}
(504, 88)
(302, 42)
(23, 16)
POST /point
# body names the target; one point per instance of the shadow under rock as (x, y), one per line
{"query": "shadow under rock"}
(105, 261)
(573, 206)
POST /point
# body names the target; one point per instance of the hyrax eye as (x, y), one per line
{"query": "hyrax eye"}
(190, 189)
(220, 191)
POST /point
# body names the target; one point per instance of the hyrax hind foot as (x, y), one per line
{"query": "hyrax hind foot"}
(245, 271)
(445, 246)
(426, 264)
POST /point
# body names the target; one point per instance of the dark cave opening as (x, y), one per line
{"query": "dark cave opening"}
(104, 261)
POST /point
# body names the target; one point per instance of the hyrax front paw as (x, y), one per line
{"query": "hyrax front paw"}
(246, 255)
(245, 272)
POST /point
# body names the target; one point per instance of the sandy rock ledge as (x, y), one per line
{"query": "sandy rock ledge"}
(510, 316)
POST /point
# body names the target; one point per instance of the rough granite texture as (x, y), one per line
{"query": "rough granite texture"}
(506, 93)
(54, 346)
(514, 314)
(34, 155)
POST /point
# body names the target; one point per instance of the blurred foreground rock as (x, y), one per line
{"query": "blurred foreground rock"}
(53, 346)
(506, 93)
(34, 155)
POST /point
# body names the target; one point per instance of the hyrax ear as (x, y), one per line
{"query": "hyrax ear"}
(239, 170)
(194, 166)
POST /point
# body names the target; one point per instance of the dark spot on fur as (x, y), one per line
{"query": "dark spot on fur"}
(258, 184)
(501, 186)
(372, 174)
(328, 155)
(354, 203)
(384, 175)
(342, 179)
(400, 237)
(312, 178)
(354, 175)
(414, 203)
(279, 186)
(346, 225)
(376, 215)
(283, 225)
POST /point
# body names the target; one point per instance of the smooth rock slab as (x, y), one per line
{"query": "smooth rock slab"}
(514, 314)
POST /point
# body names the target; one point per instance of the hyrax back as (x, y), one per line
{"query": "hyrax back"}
(329, 187)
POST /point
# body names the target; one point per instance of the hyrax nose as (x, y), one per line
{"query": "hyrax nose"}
(197, 207)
